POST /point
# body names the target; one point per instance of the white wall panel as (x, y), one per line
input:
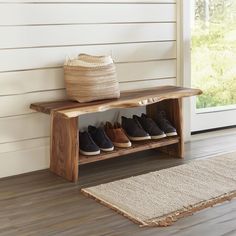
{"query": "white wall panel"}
(89, 1)
(24, 59)
(24, 127)
(19, 104)
(147, 84)
(28, 14)
(58, 35)
(24, 144)
(20, 82)
(146, 70)
(13, 83)
(14, 163)
(140, 36)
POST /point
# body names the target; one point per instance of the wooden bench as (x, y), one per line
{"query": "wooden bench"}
(65, 157)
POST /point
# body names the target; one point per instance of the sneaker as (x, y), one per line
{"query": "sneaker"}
(134, 130)
(100, 138)
(86, 145)
(165, 125)
(150, 126)
(117, 135)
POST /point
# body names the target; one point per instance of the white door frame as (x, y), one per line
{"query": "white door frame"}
(183, 58)
(199, 119)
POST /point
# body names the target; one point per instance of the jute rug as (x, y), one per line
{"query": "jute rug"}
(162, 197)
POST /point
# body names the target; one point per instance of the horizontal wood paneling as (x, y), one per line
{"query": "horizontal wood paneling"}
(30, 81)
(146, 70)
(85, 13)
(24, 144)
(48, 79)
(37, 36)
(147, 84)
(22, 59)
(89, 1)
(13, 163)
(19, 104)
(58, 35)
(24, 127)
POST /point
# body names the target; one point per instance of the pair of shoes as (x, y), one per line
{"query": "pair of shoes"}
(93, 141)
(117, 135)
(144, 128)
(165, 125)
(141, 128)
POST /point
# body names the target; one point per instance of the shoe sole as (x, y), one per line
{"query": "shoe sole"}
(107, 149)
(158, 136)
(89, 153)
(123, 145)
(171, 134)
(139, 138)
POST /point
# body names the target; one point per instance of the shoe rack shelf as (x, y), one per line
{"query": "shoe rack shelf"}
(136, 147)
(64, 147)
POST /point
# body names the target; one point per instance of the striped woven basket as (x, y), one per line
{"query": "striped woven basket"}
(90, 78)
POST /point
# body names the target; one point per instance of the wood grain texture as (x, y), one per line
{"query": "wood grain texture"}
(41, 203)
(64, 147)
(64, 128)
(128, 99)
(173, 109)
(136, 147)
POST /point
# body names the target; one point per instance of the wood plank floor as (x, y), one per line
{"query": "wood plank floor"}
(41, 203)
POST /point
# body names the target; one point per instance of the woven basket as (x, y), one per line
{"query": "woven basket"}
(90, 78)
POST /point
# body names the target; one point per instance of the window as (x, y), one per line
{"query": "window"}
(213, 57)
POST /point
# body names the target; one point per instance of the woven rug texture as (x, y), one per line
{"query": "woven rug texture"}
(162, 197)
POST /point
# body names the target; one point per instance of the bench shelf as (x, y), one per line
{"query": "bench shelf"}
(136, 147)
(64, 148)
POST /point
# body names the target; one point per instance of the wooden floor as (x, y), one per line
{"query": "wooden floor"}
(43, 204)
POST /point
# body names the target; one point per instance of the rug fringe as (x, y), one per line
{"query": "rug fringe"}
(168, 219)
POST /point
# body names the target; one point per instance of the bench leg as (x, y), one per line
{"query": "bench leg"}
(173, 109)
(64, 147)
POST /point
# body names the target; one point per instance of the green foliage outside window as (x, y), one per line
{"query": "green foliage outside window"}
(214, 52)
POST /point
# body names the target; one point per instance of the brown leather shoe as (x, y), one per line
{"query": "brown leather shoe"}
(117, 135)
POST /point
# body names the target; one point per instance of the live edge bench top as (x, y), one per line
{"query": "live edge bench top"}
(128, 99)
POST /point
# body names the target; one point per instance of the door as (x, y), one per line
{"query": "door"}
(213, 63)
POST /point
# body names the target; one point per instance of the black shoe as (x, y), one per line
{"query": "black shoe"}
(100, 138)
(150, 126)
(86, 145)
(165, 125)
(134, 130)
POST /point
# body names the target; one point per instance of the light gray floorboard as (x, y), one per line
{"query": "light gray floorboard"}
(41, 203)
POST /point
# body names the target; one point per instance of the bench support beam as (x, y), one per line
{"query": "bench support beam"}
(174, 112)
(64, 146)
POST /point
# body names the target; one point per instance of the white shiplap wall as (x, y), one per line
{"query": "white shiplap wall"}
(35, 38)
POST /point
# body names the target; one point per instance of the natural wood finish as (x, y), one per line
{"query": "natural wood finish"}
(136, 147)
(64, 147)
(65, 156)
(173, 109)
(128, 99)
